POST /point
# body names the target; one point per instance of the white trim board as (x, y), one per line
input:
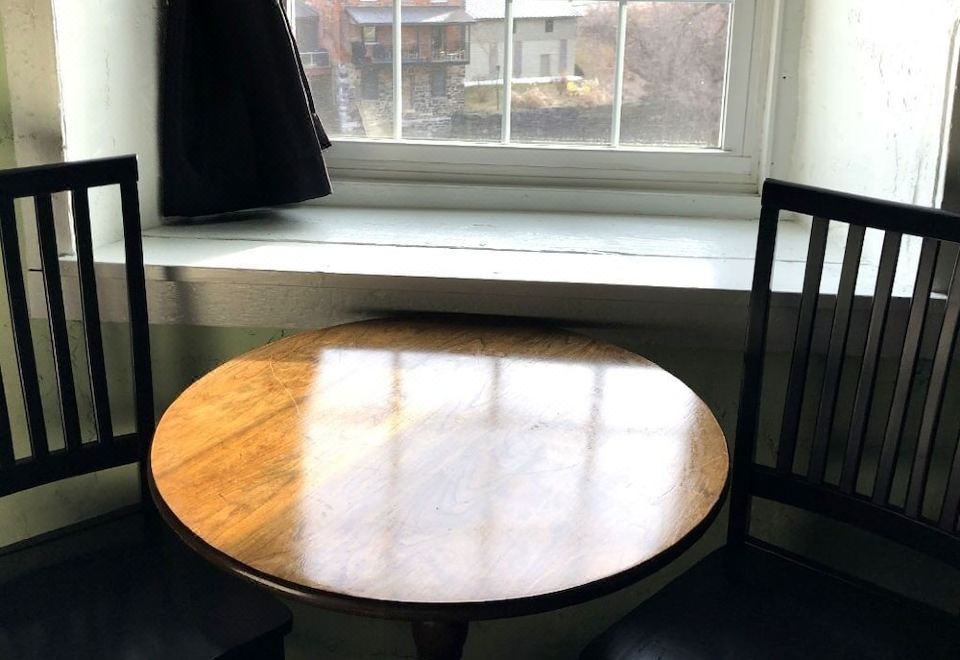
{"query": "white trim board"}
(309, 246)
(685, 280)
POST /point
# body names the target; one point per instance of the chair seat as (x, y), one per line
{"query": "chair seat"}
(755, 604)
(144, 596)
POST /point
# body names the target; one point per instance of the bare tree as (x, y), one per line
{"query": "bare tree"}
(675, 52)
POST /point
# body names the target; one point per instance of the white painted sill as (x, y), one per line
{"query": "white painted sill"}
(298, 245)
(684, 279)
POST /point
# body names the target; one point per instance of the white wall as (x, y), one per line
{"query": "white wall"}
(37, 132)
(864, 110)
(107, 51)
(32, 79)
(83, 84)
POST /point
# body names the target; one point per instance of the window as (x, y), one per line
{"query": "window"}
(438, 82)
(661, 89)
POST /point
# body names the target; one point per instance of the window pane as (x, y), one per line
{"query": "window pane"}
(563, 66)
(674, 70)
(447, 91)
(346, 53)
(564, 61)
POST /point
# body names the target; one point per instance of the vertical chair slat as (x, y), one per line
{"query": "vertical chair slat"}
(905, 372)
(752, 378)
(835, 353)
(7, 457)
(49, 261)
(800, 361)
(933, 404)
(20, 324)
(91, 316)
(889, 254)
(951, 500)
(139, 328)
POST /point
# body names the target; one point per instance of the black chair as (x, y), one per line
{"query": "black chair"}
(753, 599)
(124, 587)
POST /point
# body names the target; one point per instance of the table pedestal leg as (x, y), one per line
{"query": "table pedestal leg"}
(439, 640)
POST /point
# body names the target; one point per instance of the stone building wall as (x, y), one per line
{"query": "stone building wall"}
(425, 115)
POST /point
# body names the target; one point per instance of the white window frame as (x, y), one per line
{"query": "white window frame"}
(735, 167)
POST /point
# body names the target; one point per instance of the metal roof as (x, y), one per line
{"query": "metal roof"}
(493, 9)
(409, 15)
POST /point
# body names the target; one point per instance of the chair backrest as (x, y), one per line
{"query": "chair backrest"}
(44, 465)
(826, 412)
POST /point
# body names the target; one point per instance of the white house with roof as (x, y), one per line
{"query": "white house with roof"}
(545, 38)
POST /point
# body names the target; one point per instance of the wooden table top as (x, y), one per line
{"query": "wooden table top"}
(439, 469)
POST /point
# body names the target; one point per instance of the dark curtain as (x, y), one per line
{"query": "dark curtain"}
(238, 125)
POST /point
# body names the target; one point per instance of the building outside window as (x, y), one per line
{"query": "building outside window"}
(548, 25)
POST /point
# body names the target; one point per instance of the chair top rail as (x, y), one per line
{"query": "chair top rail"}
(863, 211)
(46, 179)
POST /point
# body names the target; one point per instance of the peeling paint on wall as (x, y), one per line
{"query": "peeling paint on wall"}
(6, 121)
(871, 92)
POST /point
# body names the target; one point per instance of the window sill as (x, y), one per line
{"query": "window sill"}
(296, 246)
(309, 265)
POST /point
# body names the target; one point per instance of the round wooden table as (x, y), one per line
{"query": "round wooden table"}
(439, 472)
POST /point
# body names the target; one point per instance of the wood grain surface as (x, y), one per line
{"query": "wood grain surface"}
(384, 465)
